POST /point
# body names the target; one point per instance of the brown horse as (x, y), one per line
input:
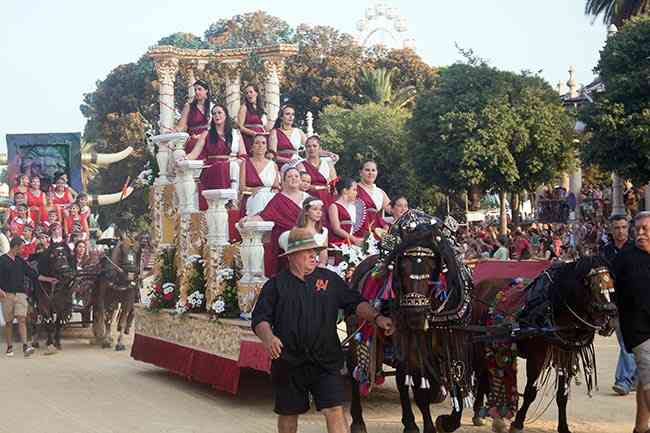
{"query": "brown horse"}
(117, 288)
(553, 326)
(429, 344)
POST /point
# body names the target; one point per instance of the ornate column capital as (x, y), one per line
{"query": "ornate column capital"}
(166, 68)
(273, 66)
(232, 69)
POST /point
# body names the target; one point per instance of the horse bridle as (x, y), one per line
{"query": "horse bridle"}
(414, 299)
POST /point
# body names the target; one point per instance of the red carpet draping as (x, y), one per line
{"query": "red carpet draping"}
(198, 366)
(526, 269)
(233, 218)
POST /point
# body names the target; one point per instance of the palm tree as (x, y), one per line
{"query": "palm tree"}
(376, 86)
(617, 11)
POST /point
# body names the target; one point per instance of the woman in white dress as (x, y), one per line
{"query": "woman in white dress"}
(258, 179)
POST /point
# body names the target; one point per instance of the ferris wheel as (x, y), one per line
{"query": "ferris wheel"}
(383, 25)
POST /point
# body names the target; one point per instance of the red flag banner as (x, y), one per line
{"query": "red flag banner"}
(500, 269)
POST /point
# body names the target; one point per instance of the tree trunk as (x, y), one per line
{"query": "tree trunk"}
(515, 203)
(474, 194)
(503, 223)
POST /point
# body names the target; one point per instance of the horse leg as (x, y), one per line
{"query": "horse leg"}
(356, 412)
(561, 397)
(534, 365)
(408, 419)
(450, 423)
(99, 316)
(482, 389)
(58, 324)
(423, 399)
(121, 326)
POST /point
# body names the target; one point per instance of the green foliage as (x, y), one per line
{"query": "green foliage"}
(165, 291)
(617, 11)
(618, 122)
(254, 29)
(372, 131)
(183, 40)
(377, 86)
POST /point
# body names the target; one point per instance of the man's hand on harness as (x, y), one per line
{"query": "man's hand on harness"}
(385, 323)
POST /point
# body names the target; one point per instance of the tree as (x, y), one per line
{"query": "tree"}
(618, 122)
(376, 86)
(485, 129)
(372, 131)
(249, 30)
(408, 69)
(617, 11)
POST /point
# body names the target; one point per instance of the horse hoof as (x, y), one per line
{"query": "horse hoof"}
(499, 426)
(478, 421)
(120, 347)
(358, 428)
(447, 424)
(412, 429)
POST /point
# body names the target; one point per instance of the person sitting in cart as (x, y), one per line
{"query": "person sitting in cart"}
(295, 317)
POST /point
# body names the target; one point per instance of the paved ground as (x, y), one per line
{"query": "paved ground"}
(88, 390)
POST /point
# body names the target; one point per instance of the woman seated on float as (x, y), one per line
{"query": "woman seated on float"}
(220, 152)
(283, 210)
(374, 198)
(285, 141)
(259, 179)
(251, 117)
(311, 218)
(347, 215)
(36, 201)
(195, 117)
(62, 196)
(22, 186)
(320, 169)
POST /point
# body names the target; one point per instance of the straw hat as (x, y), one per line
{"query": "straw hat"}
(298, 239)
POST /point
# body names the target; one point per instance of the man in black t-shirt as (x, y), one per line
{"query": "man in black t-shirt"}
(295, 317)
(13, 272)
(632, 274)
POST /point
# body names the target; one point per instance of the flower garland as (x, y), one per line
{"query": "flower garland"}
(165, 292)
(226, 305)
(352, 256)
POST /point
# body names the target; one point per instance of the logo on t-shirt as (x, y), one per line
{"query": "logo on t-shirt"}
(321, 285)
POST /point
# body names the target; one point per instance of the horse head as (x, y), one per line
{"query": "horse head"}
(422, 262)
(586, 290)
(59, 263)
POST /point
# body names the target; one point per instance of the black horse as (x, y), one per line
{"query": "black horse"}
(563, 308)
(53, 302)
(118, 286)
(430, 289)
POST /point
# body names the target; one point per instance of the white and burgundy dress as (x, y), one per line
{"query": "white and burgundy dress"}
(352, 220)
(320, 178)
(373, 200)
(264, 180)
(288, 145)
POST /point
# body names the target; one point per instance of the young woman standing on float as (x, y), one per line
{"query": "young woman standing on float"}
(285, 141)
(36, 201)
(321, 170)
(374, 198)
(347, 215)
(220, 152)
(251, 117)
(195, 117)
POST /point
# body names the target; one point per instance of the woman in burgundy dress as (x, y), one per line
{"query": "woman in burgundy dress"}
(285, 141)
(22, 185)
(284, 210)
(374, 198)
(195, 117)
(347, 215)
(321, 170)
(251, 117)
(220, 152)
(258, 179)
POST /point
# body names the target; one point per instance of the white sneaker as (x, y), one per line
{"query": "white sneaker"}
(10, 351)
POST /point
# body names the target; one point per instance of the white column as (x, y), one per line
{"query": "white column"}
(575, 186)
(217, 215)
(233, 87)
(166, 144)
(252, 256)
(190, 83)
(187, 174)
(310, 124)
(618, 206)
(166, 69)
(272, 89)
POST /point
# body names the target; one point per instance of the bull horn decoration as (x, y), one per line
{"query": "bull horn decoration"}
(105, 159)
(105, 199)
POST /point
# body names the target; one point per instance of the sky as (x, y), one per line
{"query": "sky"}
(52, 52)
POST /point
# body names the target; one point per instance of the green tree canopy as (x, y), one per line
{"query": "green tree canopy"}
(617, 11)
(618, 122)
(377, 86)
(372, 131)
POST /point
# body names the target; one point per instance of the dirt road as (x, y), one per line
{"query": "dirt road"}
(88, 390)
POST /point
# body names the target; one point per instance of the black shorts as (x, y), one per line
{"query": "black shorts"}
(292, 387)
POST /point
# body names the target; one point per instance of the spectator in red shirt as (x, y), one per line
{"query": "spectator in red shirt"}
(521, 246)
